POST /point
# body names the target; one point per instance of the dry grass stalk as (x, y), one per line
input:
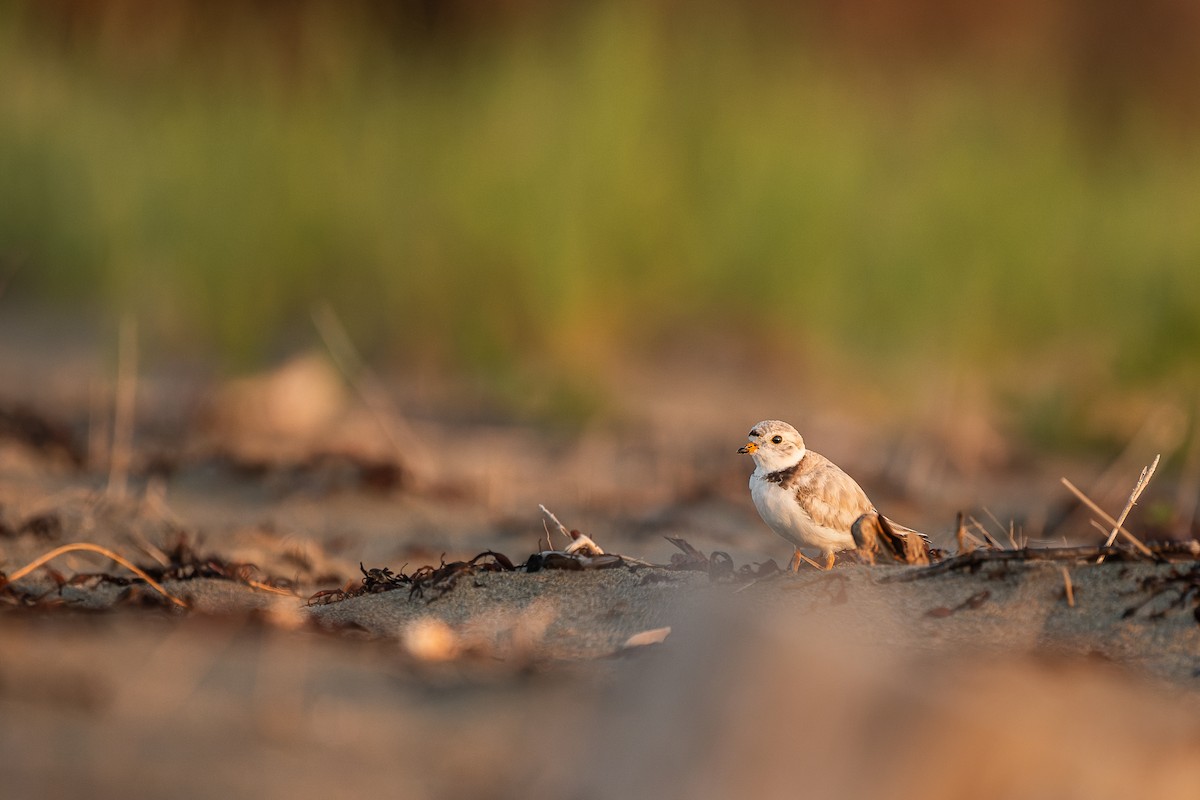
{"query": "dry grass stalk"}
(966, 540)
(266, 587)
(104, 551)
(1070, 589)
(1083, 498)
(1010, 531)
(987, 537)
(407, 446)
(1143, 480)
(960, 534)
(122, 442)
(562, 528)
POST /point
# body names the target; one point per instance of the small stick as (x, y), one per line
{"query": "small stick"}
(987, 537)
(1143, 479)
(122, 444)
(1012, 540)
(639, 562)
(104, 551)
(1070, 589)
(966, 540)
(1083, 498)
(562, 528)
(266, 587)
(1024, 540)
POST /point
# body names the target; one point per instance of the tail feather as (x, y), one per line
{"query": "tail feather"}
(876, 535)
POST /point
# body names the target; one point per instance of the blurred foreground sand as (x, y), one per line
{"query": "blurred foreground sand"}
(782, 690)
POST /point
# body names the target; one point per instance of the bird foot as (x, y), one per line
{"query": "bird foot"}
(798, 557)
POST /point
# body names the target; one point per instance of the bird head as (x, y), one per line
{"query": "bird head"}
(774, 445)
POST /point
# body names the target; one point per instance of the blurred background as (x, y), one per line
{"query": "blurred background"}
(304, 288)
(920, 214)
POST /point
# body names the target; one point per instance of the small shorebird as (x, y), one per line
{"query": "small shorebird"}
(809, 501)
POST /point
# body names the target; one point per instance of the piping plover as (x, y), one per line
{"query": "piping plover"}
(809, 501)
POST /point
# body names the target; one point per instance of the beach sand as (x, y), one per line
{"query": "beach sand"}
(839, 684)
(279, 679)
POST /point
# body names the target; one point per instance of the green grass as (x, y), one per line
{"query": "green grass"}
(560, 195)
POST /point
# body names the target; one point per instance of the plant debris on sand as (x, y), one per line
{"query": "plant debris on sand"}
(182, 563)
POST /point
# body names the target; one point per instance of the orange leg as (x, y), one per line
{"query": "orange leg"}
(829, 559)
(797, 557)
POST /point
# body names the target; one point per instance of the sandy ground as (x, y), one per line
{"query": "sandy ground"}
(630, 681)
(835, 682)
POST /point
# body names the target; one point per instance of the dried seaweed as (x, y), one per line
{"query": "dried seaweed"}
(576, 562)
(690, 559)
(432, 582)
(973, 602)
(760, 570)
(1161, 553)
(428, 582)
(185, 563)
(1185, 586)
(381, 579)
(719, 564)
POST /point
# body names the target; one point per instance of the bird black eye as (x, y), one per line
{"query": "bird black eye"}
(777, 439)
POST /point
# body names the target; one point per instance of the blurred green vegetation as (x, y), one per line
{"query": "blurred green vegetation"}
(570, 188)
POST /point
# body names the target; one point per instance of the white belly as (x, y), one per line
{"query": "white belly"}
(779, 509)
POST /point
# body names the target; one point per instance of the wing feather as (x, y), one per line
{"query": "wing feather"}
(831, 497)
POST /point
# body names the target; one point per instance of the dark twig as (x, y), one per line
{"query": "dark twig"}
(1161, 553)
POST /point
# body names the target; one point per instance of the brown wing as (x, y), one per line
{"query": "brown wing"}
(830, 496)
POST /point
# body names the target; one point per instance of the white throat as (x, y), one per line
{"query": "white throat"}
(766, 462)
